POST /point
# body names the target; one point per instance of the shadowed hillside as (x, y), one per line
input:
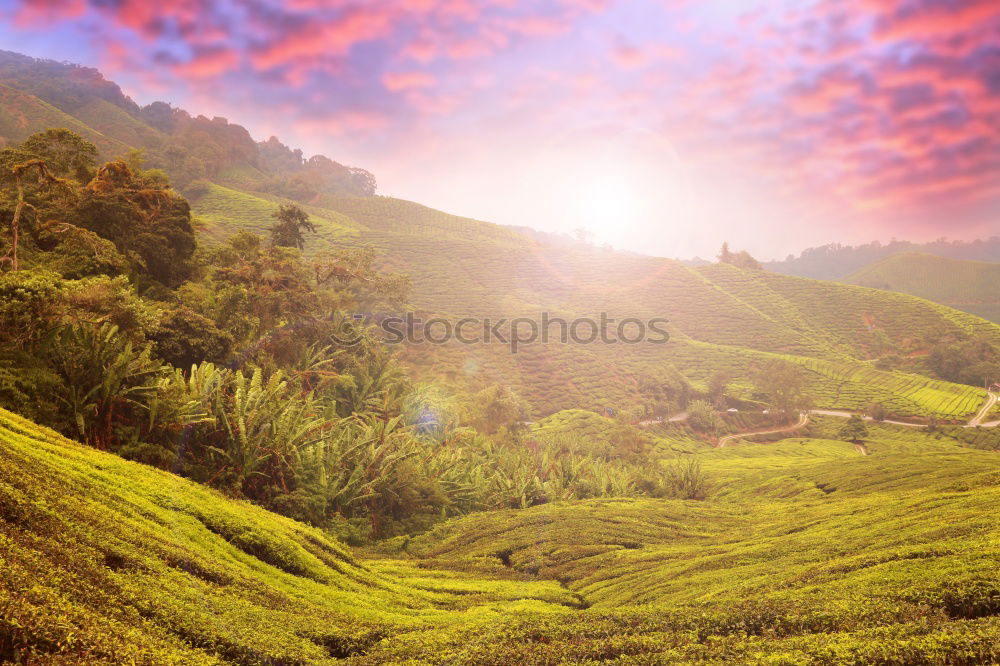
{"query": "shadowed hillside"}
(972, 286)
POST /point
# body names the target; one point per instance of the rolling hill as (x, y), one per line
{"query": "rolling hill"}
(804, 552)
(856, 345)
(721, 317)
(836, 261)
(808, 549)
(972, 286)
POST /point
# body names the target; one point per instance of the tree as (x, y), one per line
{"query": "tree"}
(496, 410)
(106, 381)
(628, 442)
(291, 222)
(725, 256)
(359, 286)
(973, 361)
(20, 172)
(854, 430)
(184, 338)
(703, 417)
(783, 384)
(66, 154)
(145, 220)
(877, 411)
(718, 383)
(741, 259)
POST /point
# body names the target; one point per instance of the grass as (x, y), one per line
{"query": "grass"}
(596, 432)
(222, 211)
(808, 553)
(108, 561)
(805, 552)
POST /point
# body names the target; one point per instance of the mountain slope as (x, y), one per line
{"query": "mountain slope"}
(23, 114)
(972, 286)
(721, 319)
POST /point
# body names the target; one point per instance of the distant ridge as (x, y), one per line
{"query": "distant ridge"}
(189, 148)
(973, 286)
(836, 261)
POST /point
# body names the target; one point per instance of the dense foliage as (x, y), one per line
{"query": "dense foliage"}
(231, 365)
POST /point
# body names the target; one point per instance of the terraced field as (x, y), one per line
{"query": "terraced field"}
(855, 386)
(720, 318)
(222, 211)
(107, 561)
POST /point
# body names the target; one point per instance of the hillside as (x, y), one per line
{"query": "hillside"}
(720, 317)
(22, 114)
(857, 346)
(189, 148)
(108, 561)
(836, 261)
(972, 286)
(805, 551)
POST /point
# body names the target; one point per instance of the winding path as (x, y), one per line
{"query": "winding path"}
(847, 415)
(977, 420)
(802, 422)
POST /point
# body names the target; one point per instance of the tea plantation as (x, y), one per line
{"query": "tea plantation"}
(804, 552)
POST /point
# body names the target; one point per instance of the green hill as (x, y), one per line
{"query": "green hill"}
(857, 345)
(972, 286)
(108, 561)
(22, 114)
(721, 317)
(806, 552)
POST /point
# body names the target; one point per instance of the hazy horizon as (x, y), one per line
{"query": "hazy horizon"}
(662, 128)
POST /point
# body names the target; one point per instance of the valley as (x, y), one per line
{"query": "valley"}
(210, 454)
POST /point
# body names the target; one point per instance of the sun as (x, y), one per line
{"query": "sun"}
(621, 188)
(606, 203)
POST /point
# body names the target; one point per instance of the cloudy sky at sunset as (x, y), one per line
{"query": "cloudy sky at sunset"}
(660, 126)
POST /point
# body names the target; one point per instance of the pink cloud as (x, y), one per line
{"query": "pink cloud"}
(932, 19)
(323, 39)
(396, 81)
(209, 64)
(344, 122)
(41, 11)
(422, 50)
(628, 56)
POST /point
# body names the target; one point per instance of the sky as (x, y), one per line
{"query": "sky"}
(663, 127)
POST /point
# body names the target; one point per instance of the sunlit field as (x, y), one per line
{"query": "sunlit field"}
(504, 333)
